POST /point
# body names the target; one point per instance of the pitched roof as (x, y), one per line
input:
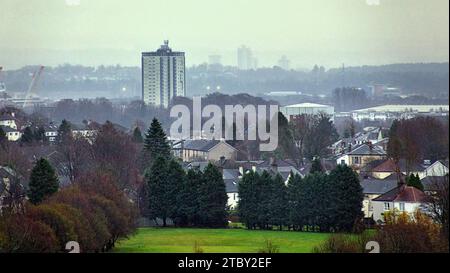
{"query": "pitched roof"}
(378, 186)
(403, 193)
(366, 149)
(7, 117)
(389, 166)
(8, 129)
(279, 162)
(432, 183)
(203, 145)
(230, 185)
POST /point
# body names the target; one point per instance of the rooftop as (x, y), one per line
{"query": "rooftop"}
(306, 104)
(367, 149)
(405, 108)
(403, 194)
(378, 186)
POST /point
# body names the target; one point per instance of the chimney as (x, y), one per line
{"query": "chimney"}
(273, 165)
(241, 170)
(222, 161)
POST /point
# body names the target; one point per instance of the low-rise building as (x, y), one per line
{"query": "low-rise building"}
(12, 134)
(389, 167)
(390, 112)
(373, 188)
(362, 155)
(295, 110)
(402, 199)
(8, 121)
(204, 150)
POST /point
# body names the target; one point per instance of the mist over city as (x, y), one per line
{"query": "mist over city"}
(213, 126)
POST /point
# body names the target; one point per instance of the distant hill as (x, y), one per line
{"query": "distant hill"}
(427, 79)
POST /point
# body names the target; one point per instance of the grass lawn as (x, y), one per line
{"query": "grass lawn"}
(166, 240)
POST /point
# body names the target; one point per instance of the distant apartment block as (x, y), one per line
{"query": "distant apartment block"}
(284, 63)
(163, 75)
(245, 58)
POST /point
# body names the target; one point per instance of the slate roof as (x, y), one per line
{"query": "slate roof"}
(280, 163)
(8, 129)
(230, 185)
(389, 166)
(432, 183)
(203, 145)
(365, 149)
(378, 186)
(403, 194)
(7, 117)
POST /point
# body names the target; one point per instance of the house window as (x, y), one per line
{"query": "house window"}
(356, 160)
(387, 206)
(342, 162)
(401, 206)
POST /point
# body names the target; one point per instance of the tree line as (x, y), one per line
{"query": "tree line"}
(92, 211)
(192, 198)
(318, 202)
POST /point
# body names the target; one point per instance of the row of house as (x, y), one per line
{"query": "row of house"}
(232, 172)
(13, 128)
(382, 179)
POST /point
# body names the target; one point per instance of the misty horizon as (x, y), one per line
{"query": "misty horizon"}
(328, 33)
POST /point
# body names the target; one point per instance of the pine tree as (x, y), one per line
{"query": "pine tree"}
(263, 185)
(346, 198)
(174, 186)
(278, 202)
(294, 190)
(137, 135)
(189, 212)
(316, 166)
(64, 131)
(2, 135)
(155, 176)
(213, 198)
(314, 202)
(39, 134)
(27, 136)
(155, 142)
(248, 202)
(43, 181)
(414, 181)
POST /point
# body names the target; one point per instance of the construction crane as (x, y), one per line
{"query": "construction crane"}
(32, 87)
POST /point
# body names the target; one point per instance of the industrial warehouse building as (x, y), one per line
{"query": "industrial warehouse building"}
(291, 111)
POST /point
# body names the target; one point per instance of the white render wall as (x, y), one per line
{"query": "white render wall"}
(378, 208)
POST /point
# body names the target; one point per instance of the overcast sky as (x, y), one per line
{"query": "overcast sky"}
(324, 32)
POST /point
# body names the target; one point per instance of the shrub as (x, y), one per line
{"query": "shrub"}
(197, 248)
(21, 234)
(269, 247)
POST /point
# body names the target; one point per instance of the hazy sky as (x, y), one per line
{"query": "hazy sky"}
(326, 32)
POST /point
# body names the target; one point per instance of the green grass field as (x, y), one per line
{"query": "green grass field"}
(178, 240)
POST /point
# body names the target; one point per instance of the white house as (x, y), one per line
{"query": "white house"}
(51, 132)
(402, 198)
(362, 155)
(202, 149)
(373, 188)
(11, 133)
(8, 121)
(438, 168)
